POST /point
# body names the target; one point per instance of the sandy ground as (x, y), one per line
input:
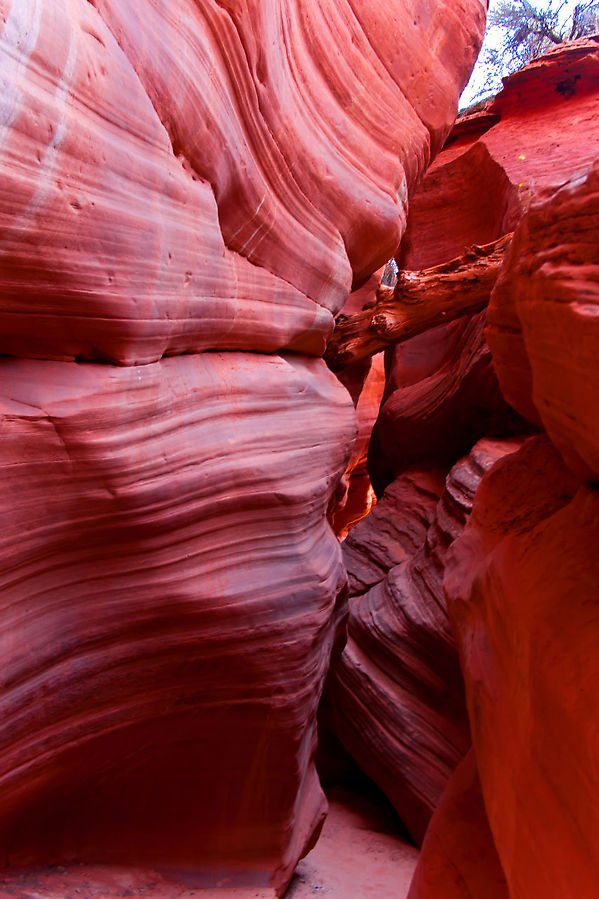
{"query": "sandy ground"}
(360, 854)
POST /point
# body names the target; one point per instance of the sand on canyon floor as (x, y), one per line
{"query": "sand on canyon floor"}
(361, 853)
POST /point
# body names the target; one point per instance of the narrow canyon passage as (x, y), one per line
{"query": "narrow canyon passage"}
(243, 551)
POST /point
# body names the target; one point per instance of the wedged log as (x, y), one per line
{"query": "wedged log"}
(522, 596)
(420, 301)
(397, 691)
(543, 321)
(168, 585)
(458, 859)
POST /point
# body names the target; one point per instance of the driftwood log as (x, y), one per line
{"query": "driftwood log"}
(419, 301)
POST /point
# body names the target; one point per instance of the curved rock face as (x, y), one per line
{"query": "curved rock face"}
(458, 859)
(180, 177)
(174, 588)
(442, 392)
(521, 581)
(543, 327)
(123, 160)
(318, 117)
(521, 589)
(110, 247)
(496, 160)
(398, 694)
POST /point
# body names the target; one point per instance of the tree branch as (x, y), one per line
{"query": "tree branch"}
(420, 301)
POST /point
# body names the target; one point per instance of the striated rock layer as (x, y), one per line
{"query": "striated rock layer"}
(397, 690)
(180, 177)
(167, 609)
(543, 327)
(134, 133)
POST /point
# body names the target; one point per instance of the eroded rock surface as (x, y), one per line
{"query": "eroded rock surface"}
(181, 177)
(398, 695)
(458, 859)
(543, 327)
(174, 587)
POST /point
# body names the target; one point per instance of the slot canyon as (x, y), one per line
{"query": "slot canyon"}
(298, 455)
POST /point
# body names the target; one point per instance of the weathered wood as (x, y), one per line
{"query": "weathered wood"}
(420, 300)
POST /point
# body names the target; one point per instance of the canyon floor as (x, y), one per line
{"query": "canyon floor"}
(361, 853)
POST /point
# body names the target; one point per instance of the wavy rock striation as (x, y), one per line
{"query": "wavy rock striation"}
(180, 177)
(174, 588)
(397, 690)
(136, 132)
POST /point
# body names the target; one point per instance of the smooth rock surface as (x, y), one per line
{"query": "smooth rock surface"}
(135, 132)
(180, 177)
(521, 586)
(458, 859)
(541, 129)
(316, 118)
(168, 581)
(110, 246)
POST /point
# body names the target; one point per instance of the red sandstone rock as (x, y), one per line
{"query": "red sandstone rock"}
(109, 248)
(394, 530)
(397, 691)
(525, 143)
(527, 140)
(440, 397)
(177, 177)
(458, 859)
(521, 587)
(122, 161)
(543, 327)
(316, 117)
(357, 494)
(168, 583)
